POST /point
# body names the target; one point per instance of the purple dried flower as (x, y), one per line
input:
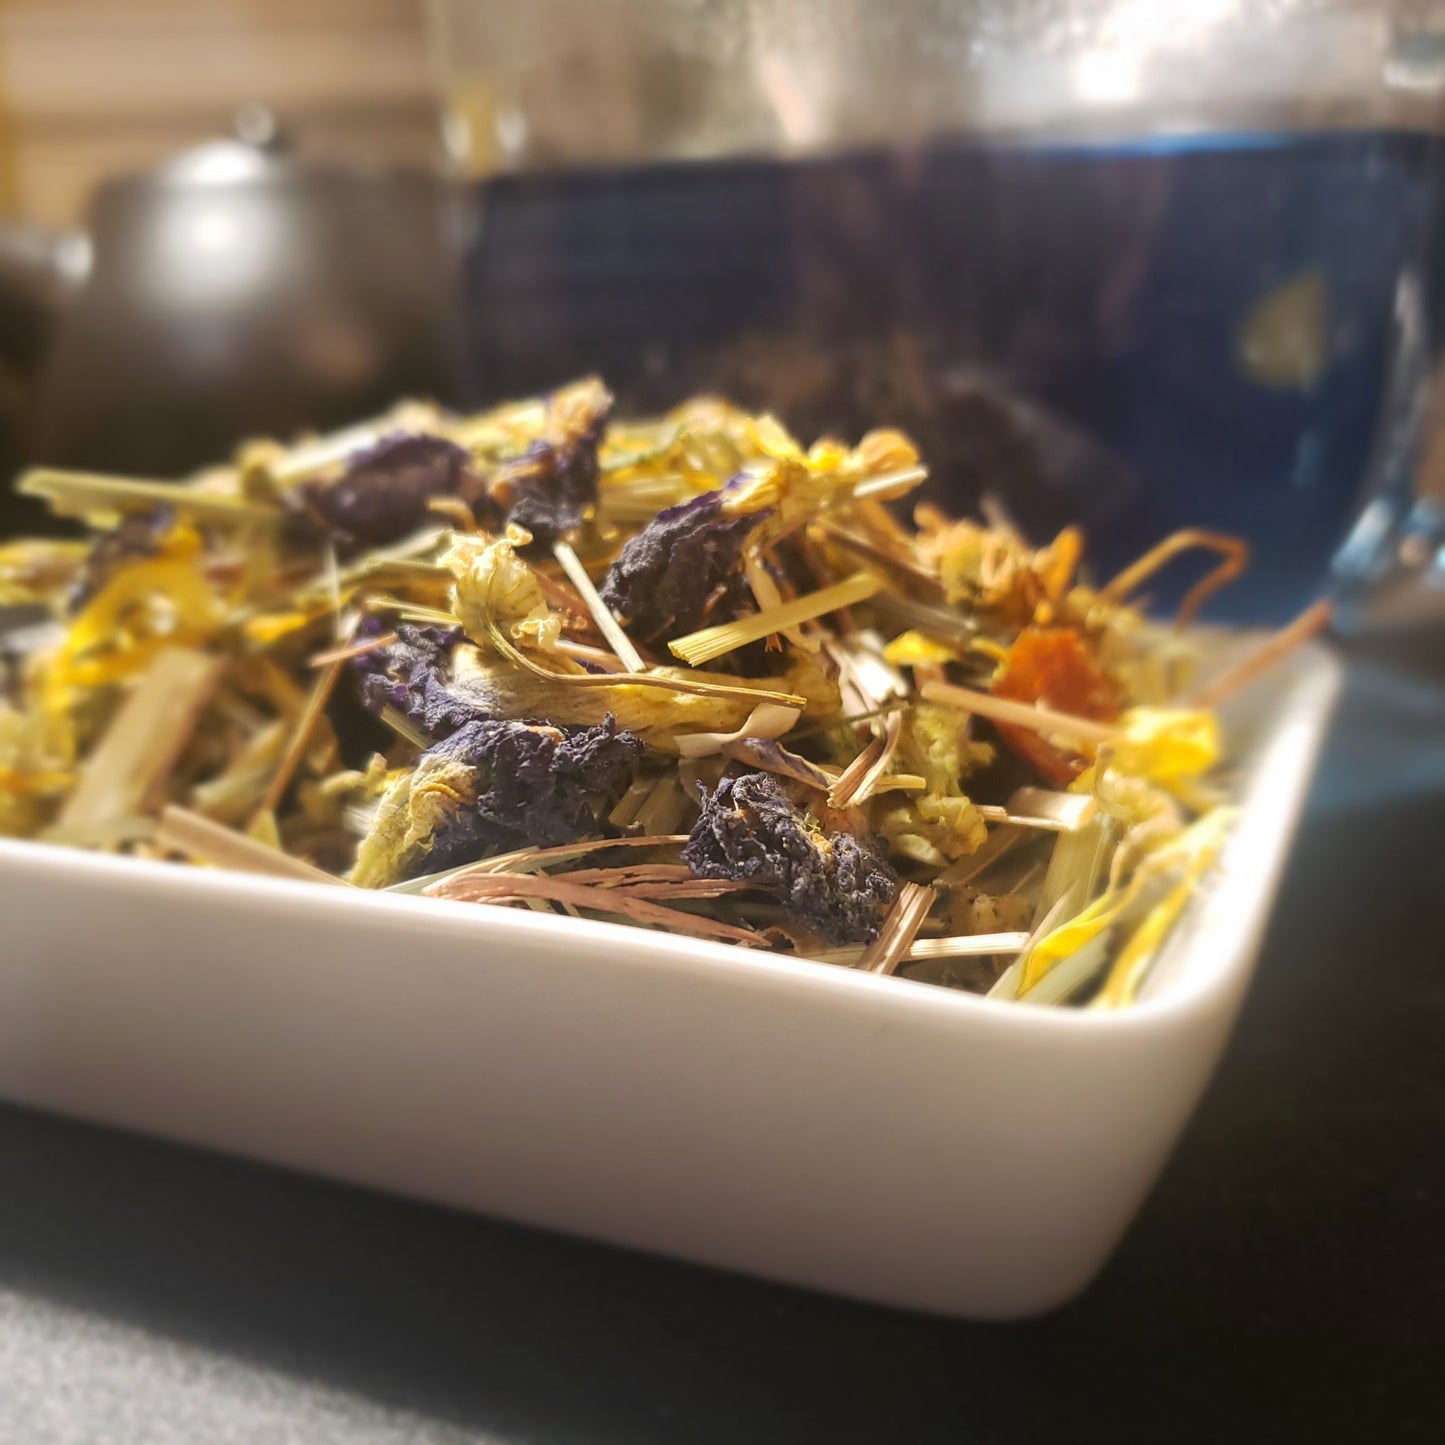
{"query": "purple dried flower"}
(682, 566)
(413, 675)
(383, 493)
(552, 488)
(837, 884)
(532, 784)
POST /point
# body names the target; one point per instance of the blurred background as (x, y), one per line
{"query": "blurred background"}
(1139, 263)
(98, 88)
(219, 220)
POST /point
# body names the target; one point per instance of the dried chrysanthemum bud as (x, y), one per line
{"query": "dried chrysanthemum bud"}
(970, 911)
(496, 588)
(659, 713)
(929, 828)
(939, 824)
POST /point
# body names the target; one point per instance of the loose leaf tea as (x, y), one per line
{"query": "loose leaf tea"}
(681, 673)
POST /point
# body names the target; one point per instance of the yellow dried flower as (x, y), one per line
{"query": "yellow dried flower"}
(496, 587)
(917, 649)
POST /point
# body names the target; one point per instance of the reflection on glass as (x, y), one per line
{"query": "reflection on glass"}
(1134, 263)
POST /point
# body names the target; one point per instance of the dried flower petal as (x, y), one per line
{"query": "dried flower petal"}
(140, 534)
(837, 884)
(496, 785)
(382, 494)
(496, 588)
(413, 675)
(682, 570)
(552, 488)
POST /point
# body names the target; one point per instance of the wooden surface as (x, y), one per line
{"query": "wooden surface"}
(90, 88)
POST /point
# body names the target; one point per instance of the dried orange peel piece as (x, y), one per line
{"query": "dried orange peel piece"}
(1054, 666)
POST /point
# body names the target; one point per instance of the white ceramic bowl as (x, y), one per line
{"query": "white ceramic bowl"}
(888, 1140)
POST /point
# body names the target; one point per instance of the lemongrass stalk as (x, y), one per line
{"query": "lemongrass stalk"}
(899, 929)
(1311, 621)
(602, 614)
(512, 653)
(135, 754)
(182, 831)
(1020, 714)
(710, 642)
(922, 950)
(403, 727)
(1013, 977)
(354, 649)
(890, 484)
(861, 778)
(74, 494)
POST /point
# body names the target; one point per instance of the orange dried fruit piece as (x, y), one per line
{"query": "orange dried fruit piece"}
(1054, 667)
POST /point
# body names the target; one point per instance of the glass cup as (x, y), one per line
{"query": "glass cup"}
(1143, 264)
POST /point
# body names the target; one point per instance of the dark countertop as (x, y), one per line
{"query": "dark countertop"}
(1285, 1282)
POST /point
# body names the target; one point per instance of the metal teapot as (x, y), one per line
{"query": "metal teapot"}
(240, 289)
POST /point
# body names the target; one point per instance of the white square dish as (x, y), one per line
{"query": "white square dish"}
(892, 1141)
